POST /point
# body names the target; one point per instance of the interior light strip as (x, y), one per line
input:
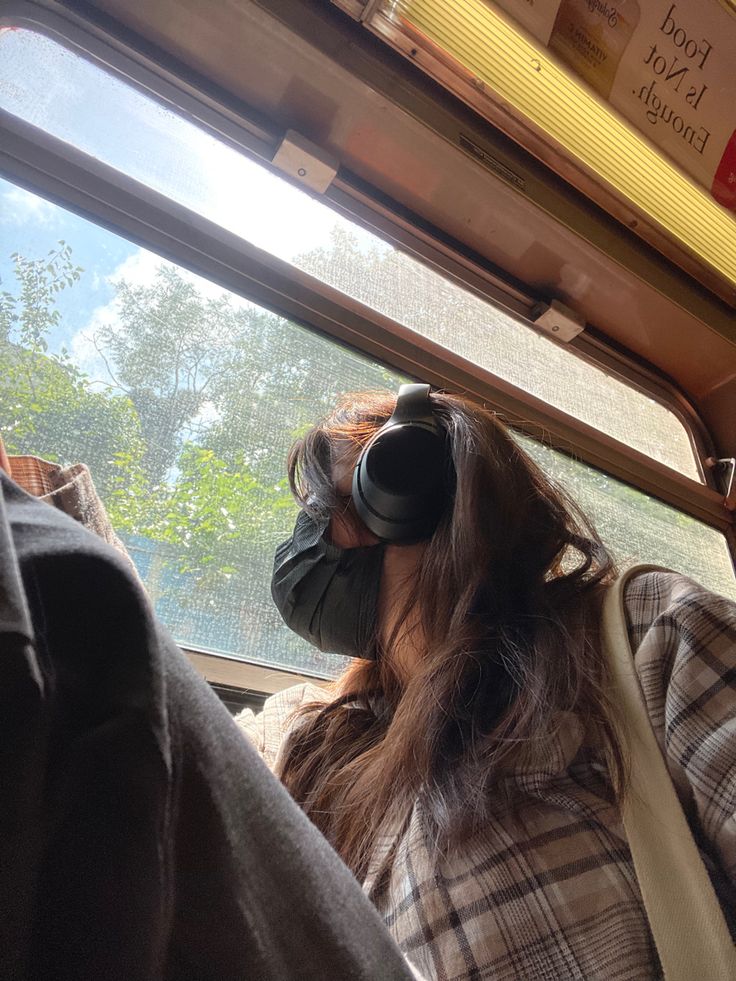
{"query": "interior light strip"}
(485, 46)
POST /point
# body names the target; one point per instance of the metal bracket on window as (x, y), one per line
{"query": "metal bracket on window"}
(726, 468)
(308, 163)
(557, 320)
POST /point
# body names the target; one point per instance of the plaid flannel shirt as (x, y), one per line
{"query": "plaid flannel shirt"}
(547, 889)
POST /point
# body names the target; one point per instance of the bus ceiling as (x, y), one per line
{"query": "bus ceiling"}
(428, 133)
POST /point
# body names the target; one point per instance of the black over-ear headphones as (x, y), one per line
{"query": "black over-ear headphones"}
(403, 479)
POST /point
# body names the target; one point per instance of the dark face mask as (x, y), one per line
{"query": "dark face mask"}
(326, 594)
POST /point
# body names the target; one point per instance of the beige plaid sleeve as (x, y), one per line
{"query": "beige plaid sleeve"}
(685, 642)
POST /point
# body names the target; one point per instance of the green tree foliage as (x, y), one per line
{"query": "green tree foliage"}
(212, 369)
(46, 404)
(399, 287)
(204, 395)
(183, 358)
(30, 313)
(172, 352)
(214, 514)
(168, 353)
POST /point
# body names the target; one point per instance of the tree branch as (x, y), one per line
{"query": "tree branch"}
(111, 373)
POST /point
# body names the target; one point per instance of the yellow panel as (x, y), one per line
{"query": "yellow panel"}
(522, 74)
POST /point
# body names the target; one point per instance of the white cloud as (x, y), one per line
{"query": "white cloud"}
(208, 414)
(21, 207)
(139, 269)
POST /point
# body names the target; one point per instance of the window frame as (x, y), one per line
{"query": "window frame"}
(477, 278)
(60, 172)
(258, 679)
(47, 166)
(258, 140)
(97, 191)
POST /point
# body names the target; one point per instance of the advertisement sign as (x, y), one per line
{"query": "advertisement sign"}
(668, 68)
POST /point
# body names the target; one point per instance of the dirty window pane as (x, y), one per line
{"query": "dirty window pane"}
(183, 399)
(99, 113)
(639, 528)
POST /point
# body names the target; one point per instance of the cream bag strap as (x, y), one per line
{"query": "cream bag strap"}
(685, 917)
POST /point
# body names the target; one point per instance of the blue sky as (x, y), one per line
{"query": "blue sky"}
(31, 226)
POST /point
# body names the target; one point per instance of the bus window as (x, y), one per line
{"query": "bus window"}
(112, 121)
(184, 398)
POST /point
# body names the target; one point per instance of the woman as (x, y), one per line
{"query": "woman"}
(467, 766)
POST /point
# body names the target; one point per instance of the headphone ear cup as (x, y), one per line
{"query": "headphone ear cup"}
(401, 483)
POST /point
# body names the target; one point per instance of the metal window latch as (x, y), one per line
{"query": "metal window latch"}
(557, 320)
(726, 470)
(308, 163)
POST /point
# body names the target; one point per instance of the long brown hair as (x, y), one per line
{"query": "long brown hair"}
(507, 595)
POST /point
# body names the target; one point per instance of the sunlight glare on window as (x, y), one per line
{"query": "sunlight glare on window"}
(73, 99)
(183, 399)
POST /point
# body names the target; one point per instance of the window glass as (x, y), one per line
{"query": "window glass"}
(639, 528)
(76, 101)
(184, 399)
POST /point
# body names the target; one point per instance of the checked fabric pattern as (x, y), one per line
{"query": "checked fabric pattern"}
(547, 889)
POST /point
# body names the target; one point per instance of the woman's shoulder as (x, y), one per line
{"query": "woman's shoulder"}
(683, 638)
(684, 641)
(661, 604)
(268, 728)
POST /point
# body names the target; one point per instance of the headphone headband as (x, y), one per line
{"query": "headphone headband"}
(412, 405)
